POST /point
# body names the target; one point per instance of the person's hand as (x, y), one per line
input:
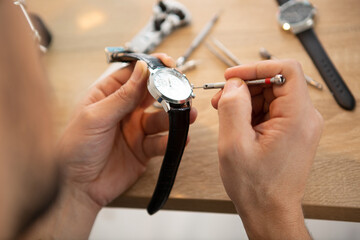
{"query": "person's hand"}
(267, 142)
(111, 138)
(104, 150)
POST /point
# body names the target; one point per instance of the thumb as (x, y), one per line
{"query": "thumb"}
(234, 111)
(124, 100)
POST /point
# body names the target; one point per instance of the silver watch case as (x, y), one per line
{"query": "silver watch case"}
(161, 98)
(299, 26)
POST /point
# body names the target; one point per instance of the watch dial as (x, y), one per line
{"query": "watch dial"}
(296, 13)
(172, 84)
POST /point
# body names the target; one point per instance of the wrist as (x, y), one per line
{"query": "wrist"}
(72, 206)
(274, 222)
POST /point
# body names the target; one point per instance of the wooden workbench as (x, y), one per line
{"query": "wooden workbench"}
(76, 59)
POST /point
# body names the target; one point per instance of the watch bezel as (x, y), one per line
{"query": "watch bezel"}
(158, 95)
(298, 27)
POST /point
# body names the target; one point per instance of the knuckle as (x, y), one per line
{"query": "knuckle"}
(123, 93)
(227, 101)
(292, 62)
(90, 119)
(88, 115)
(225, 151)
(314, 126)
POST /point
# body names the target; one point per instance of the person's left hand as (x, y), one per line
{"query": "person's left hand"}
(111, 138)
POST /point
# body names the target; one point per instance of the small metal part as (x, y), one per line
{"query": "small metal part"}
(196, 42)
(110, 52)
(157, 105)
(168, 15)
(313, 83)
(223, 54)
(278, 80)
(264, 53)
(188, 65)
(165, 105)
(219, 56)
(226, 51)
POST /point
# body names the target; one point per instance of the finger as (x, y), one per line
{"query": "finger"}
(124, 100)
(147, 101)
(290, 69)
(108, 85)
(268, 95)
(257, 103)
(114, 81)
(165, 59)
(254, 90)
(155, 145)
(215, 99)
(123, 74)
(158, 121)
(294, 90)
(234, 109)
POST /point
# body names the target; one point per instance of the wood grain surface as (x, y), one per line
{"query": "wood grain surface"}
(82, 29)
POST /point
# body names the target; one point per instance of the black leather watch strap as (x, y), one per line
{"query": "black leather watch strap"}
(179, 120)
(281, 2)
(326, 69)
(152, 62)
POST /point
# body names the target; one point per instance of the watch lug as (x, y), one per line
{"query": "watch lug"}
(110, 51)
(165, 105)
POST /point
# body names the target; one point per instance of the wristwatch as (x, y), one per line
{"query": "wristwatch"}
(297, 16)
(173, 90)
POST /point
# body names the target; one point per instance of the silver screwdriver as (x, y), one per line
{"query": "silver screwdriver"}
(196, 42)
(278, 80)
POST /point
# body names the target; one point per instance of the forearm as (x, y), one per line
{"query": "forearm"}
(274, 224)
(71, 217)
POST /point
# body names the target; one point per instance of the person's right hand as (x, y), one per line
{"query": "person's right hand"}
(267, 141)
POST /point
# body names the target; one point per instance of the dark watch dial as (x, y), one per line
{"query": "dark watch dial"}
(296, 13)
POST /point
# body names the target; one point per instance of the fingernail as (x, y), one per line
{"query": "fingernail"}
(232, 84)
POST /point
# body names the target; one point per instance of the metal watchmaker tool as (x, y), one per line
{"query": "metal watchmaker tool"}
(168, 15)
(297, 16)
(173, 91)
(277, 80)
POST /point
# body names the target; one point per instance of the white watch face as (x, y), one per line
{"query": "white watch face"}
(172, 84)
